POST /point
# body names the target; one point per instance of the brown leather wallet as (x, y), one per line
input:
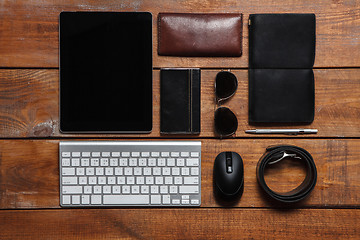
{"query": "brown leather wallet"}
(200, 35)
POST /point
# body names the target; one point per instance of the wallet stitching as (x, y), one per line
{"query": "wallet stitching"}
(159, 33)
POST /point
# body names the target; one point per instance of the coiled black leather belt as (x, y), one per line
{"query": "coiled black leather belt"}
(276, 153)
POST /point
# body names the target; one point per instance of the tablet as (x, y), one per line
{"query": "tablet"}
(105, 72)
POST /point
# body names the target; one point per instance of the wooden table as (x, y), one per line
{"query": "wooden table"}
(29, 131)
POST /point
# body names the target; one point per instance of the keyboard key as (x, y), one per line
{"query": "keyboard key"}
(90, 171)
(130, 180)
(195, 201)
(166, 199)
(135, 189)
(97, 189)
(125, 154)
(176, 201)
(104, 162)
(147, 171)
(142, 162)
(185, 202)
(194, 171)
(85, 199)
(95, 199)
(116, 189)
(184, 154)
(125, 189)
(145, 154)
(165, 154)
(192, 162)
(178, 180)
(92, 180)
(105, 154)
(82, 180)
(99, 171)
(171, 162)
(149, 180)
(195, 154)
(118, 171)
(140, 180)
(189, 189)
(129, 199)
(123, 162)
(175, 171)
(166, 171)
(75, 199)
(135, 154)
(115, 154)
(102, 180)
(80, 171)
(71, 189)
(153, 154)
(191, 180)
(144, 189)
(159, 180)
(185, 197)
(95, 154)
(185, 171)
(132, 162)
(75, 154)
(68, 171)
(168, 180)
(106, 189)
(156, 171)
(137, 171)
(87, 189)
(161, 162)
(109, 171)
(95, 162)
(175, 154)
(85, 162)
(66, 198)
(154, 189)
(121, 180)
(75, 162)
(128, 171)
(114, 162)
(85, 154)
(69, 180)
(180, 162)
(163, 189)
(65, 162)
(111, 180)
(156, 199)
(152, 162)
(65, 154)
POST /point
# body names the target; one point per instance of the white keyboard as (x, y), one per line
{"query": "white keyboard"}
(131, 173)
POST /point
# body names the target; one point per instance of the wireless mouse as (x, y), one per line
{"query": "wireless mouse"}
(229, 173)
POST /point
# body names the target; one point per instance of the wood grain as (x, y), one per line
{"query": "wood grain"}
(29, 175)
(180, 224)
(29, 29)
(29, 104)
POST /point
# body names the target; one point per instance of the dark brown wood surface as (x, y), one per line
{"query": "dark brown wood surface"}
(29, 133)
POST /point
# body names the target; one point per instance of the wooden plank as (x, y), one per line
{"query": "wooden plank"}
(29, 105)
(29, 29)
(29, 175)
(180, 224)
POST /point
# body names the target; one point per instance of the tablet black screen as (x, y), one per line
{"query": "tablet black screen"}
(105, 72)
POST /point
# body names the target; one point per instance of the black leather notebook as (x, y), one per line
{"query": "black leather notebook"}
(180, 101)
(281, 40)
(281, 57)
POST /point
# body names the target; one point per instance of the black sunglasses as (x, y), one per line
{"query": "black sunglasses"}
(226, 122)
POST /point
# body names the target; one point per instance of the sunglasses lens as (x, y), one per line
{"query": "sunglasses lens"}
(226, 84)
(225, 121)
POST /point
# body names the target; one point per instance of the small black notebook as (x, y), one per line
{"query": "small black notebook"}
(180, 101)
(281, 57)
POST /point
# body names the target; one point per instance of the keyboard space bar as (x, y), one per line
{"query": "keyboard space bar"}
(126, 199)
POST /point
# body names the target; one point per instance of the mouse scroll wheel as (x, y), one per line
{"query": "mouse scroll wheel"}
(229, 167)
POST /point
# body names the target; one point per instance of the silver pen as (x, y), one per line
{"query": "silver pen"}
(282, 131)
